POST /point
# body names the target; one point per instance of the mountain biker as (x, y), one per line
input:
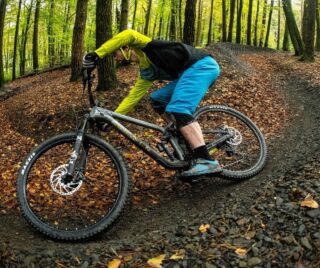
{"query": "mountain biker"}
(191, 72)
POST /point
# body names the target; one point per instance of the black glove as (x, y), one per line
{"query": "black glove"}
(90, 60)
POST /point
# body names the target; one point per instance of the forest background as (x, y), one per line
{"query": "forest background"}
(37, 35)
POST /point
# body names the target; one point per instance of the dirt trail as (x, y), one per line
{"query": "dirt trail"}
(288, 153)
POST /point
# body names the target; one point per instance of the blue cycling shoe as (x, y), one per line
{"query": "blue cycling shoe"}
(202, 167)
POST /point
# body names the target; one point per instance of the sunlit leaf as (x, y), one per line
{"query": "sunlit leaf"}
(204, 228)
(241, 251)
(156, 262)
(115, 263)
(310, 203)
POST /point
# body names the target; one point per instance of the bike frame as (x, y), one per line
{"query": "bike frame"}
(98, 114)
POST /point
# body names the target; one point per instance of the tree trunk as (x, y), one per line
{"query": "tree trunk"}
(317, 48)
(266, 43)
(64, 44)
(16, 42)
(263, 24)
(249, 22)
(285, 44)
(35, 47)
(51, 35)
(124, 15)
(180, 21)
(279, 25)
(189, 22)
(239, 17)
(161, 20)
(134, 13)
(106, 71)
(146, 27)
(3, 5)
(255, 40)
(232, 9)
(224, 21)
(78, 39)
(210, 32)
(173, 26)
(198, 32)
(24, 41)
(309, 19)
(293, 28)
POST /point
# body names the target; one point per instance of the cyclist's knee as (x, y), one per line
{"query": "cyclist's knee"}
(158, 106)
(183, 119)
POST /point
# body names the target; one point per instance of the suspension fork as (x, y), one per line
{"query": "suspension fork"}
(76, 150)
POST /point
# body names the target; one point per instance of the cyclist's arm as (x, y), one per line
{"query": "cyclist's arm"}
(125, 38)
(135, 95)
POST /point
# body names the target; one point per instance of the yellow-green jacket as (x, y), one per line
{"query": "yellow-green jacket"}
(165, 60)
(136, 41)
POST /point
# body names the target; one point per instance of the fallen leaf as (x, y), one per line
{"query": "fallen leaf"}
(177, 256)
(115, 263)
(156, 262)
(204, 228)
(310, 203)
(241, 251)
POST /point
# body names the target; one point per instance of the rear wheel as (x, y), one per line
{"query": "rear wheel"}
(79, 208)
(244, 154)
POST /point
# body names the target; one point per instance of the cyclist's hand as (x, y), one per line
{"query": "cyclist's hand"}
(90, 60)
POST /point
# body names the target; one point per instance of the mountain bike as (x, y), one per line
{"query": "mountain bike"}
(74, 185)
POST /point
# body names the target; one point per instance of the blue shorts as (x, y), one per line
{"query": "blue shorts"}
(184, 94)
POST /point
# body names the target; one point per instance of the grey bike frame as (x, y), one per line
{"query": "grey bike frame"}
(108, 116)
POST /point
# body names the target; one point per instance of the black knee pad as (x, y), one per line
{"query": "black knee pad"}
(158, 106)
(183, 119)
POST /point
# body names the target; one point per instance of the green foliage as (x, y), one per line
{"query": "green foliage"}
(64, 17)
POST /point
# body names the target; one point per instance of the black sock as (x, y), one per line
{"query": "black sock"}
(202, 152)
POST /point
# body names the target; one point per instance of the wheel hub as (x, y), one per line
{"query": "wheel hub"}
(58, 184)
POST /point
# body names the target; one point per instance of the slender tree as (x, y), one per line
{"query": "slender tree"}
(189, 22)
(134, 13)
(309, 19)
(161, 19)
(35, 39)
(224, 21)
(199, 24)
(78, 39)
(65, 28)
(293, 28)
(106, 71)
(211, 32)
(15, 46)
(173, 26)
(266, 43)
(3, 5)
(180, 20)
(317, 48)
(24, 40)
(249, 22)
(263, 23)
(124, 15)
(146, 26)
(51, 35)
(239, 17)
(279, 25)
(285, 44)
(255, 40)
(232, 9)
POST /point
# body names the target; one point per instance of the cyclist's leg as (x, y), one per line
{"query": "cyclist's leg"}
(190, 89)
(161, 97)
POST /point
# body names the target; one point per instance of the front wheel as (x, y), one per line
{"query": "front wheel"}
(79, 208)
(244, 154)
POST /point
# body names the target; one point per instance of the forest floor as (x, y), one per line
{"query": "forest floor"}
(260, 222)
